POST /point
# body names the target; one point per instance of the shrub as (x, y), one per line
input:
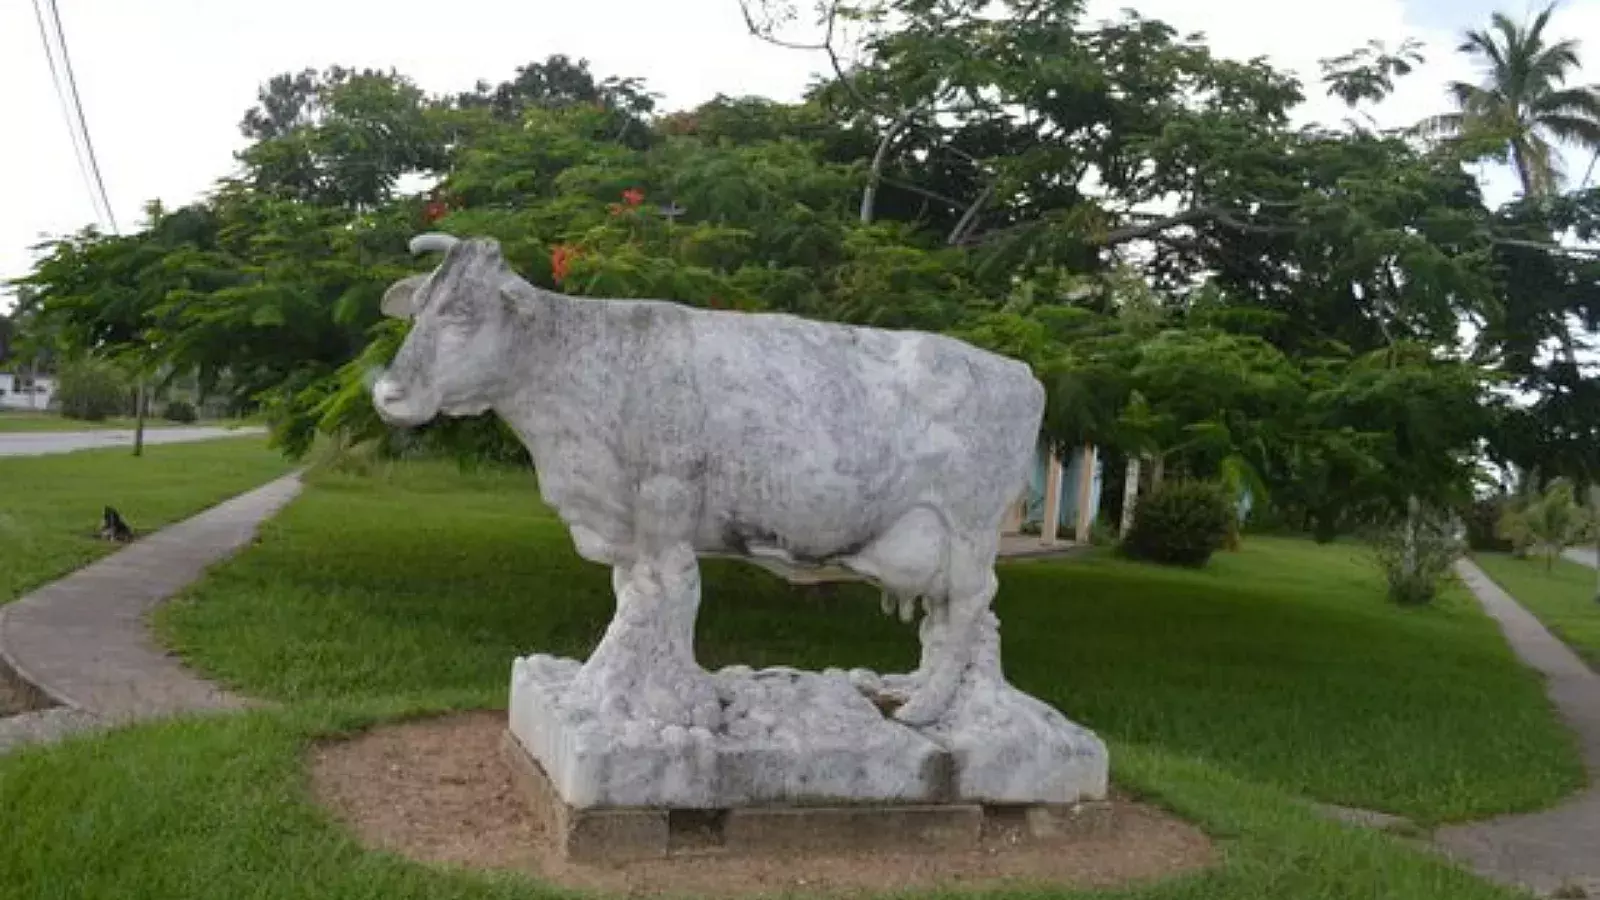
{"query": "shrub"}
(179, 411)
(1180, 523)
(1547, 523)
(1416, 551)
(91, 390)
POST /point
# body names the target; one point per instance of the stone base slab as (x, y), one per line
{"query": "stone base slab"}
(618, 835)
(790, 737)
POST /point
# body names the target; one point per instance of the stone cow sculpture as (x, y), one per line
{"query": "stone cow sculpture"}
(662, 433)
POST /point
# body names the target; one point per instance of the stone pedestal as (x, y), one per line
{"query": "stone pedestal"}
(622, 834)
(794, 738)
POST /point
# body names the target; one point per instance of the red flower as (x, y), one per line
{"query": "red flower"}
(435, 210)
(714, 302)
(633, 196)
(561, 257)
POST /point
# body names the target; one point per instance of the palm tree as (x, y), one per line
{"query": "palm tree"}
(1523, 99)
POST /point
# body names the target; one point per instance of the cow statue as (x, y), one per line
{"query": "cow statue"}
(662, 433)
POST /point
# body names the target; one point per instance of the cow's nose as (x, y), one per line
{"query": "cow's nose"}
(386, 392)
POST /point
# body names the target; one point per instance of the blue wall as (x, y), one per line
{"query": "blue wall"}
(1067, 520)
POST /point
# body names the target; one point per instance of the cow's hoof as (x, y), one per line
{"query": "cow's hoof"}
(930, 696)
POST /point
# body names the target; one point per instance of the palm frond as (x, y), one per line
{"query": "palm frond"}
(1551, 65)
(1481, 43)
(1578, 131)
(1583, 102)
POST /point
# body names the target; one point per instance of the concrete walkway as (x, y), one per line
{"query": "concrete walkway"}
(1558, 848)
(1583, 556)
(82, 641)
(39, 443)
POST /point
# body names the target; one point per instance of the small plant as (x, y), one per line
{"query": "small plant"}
(1547, 523)
(1416, 552)
(1101, 534)
(179, 411)
(1182, 523)
(343, 455)
(92, 390)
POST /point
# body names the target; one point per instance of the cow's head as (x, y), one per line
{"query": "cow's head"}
(455, 359)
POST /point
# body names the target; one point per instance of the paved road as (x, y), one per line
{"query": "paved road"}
(38, 443)
(1584, 555)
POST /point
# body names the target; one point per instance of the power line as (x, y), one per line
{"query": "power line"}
(66, 113)
(77, 105)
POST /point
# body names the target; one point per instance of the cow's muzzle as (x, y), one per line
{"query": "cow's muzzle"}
(397, 405)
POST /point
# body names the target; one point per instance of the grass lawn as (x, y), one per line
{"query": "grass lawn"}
(50, 506)
(1562, 597)
(1281, 663)
(1227, 695)
(200, 809)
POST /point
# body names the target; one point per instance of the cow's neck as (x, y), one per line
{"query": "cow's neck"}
(548, 351)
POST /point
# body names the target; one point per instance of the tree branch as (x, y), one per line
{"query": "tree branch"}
(1538, 245)
(970, 217)
(869, 197)
(844, 81)
(924, 192)
(1153, 228)
(1188, 217)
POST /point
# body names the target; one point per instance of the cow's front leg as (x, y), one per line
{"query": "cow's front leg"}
(644, 667)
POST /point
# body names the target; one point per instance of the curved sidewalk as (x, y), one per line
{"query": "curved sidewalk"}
(1560, 847)
(82, 641)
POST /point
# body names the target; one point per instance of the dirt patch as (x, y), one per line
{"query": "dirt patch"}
(440, 791)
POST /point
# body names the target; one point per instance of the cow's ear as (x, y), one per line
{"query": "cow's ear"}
(400, 300)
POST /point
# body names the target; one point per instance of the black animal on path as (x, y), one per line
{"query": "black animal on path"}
(113, 528)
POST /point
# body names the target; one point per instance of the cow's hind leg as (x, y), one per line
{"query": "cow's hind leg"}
(950, 631)
(909, 561)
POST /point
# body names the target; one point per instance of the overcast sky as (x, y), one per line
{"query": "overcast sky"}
(165, 82)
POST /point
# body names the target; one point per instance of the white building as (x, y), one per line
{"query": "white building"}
(19, 391)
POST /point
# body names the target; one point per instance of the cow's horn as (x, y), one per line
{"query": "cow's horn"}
(433, 240)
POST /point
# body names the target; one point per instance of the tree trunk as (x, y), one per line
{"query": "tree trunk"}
(1130, 494)
(1524, 173)
(138, 421)
(1413, 513)
(1158, 469)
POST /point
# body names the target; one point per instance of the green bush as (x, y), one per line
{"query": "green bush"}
(179, 411)
(1180, 523)
(91, 390)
